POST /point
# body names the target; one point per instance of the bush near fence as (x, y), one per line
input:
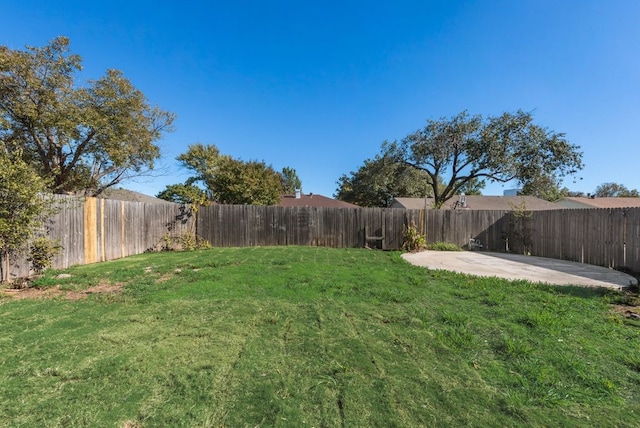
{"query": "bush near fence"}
(93, 230)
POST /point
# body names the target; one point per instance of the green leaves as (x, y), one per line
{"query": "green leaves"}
(186, 194)
(85, 138)
(229, 180)
(460, 152)
(24, 205)
(379, 180)
(290, 180)
(615, 190)
(248, 183)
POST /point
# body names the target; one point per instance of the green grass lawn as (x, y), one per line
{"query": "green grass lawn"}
(316, 337)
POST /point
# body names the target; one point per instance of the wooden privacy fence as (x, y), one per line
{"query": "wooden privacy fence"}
(94, 230)
(91, 230)
(604, 237)
(246, 225)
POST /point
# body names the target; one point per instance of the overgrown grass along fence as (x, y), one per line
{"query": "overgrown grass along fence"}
(92, 230)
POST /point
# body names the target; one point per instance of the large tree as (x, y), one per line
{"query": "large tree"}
(86, 138)
(228, 180)
(379, 180)
(246, 183)
(615, 190)
(503, 148)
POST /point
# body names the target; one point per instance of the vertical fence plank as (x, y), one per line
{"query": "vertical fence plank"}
(94, 230)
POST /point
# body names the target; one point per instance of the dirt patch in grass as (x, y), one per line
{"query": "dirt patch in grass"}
(56, 292)
(632, 312)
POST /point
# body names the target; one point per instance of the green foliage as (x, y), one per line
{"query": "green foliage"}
(185, 194)
(412, 240)
(615, 190)
(457, 150)
(232, 181)
(379, 180)
(185, 241)
(41, 253)
(24, 206)
(202, 161)
(443, 246)
(290, 180)
(86, 138)
(245, 183)
(473, 187)
(545, 187)
(520, 236)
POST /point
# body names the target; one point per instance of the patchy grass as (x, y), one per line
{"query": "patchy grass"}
(296, 336)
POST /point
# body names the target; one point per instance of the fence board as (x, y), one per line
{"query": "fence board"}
(99, 230)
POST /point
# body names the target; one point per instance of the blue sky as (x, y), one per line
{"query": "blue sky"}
(318, 86)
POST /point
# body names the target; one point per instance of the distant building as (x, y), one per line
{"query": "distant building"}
(130, 196)
(478, 202)
(582, 202)
(312, 200)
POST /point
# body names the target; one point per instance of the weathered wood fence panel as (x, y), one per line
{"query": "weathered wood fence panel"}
(459, 226)
(97, 230)
(603, 237)
(242, 225)
(632, 240)
(90, 230)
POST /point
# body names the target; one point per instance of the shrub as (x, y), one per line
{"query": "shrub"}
(443, 246)
(41, 253)
(186, 241)
(412, 240)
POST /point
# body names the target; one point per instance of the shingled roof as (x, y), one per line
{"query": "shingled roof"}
(574, 202)
(131, 196)
(479, 202)
(313, 200)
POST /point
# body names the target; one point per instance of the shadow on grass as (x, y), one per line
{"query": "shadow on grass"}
(581, 291)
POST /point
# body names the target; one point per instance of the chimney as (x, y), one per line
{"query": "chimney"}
(298, 193)
(463, 200)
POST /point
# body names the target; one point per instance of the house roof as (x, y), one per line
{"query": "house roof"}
(313, 200)
(480, 202)
(576, 202)
(131, 196)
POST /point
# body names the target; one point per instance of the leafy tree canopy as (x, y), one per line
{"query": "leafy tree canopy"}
(86, 138)
(290, 180)
(246, 183)
(545, 187)
(228, 180)
(462, 148)
(472, 187)
(615, 190)
(185, 194)
(379, 180)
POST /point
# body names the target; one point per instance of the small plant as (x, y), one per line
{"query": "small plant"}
(41, 253)
(443, 246)
(186, 241)
(412, 240)
(189, 241)
(167, 243)
(521, 231)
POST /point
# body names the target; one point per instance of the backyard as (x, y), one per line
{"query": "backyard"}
(308, 336)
